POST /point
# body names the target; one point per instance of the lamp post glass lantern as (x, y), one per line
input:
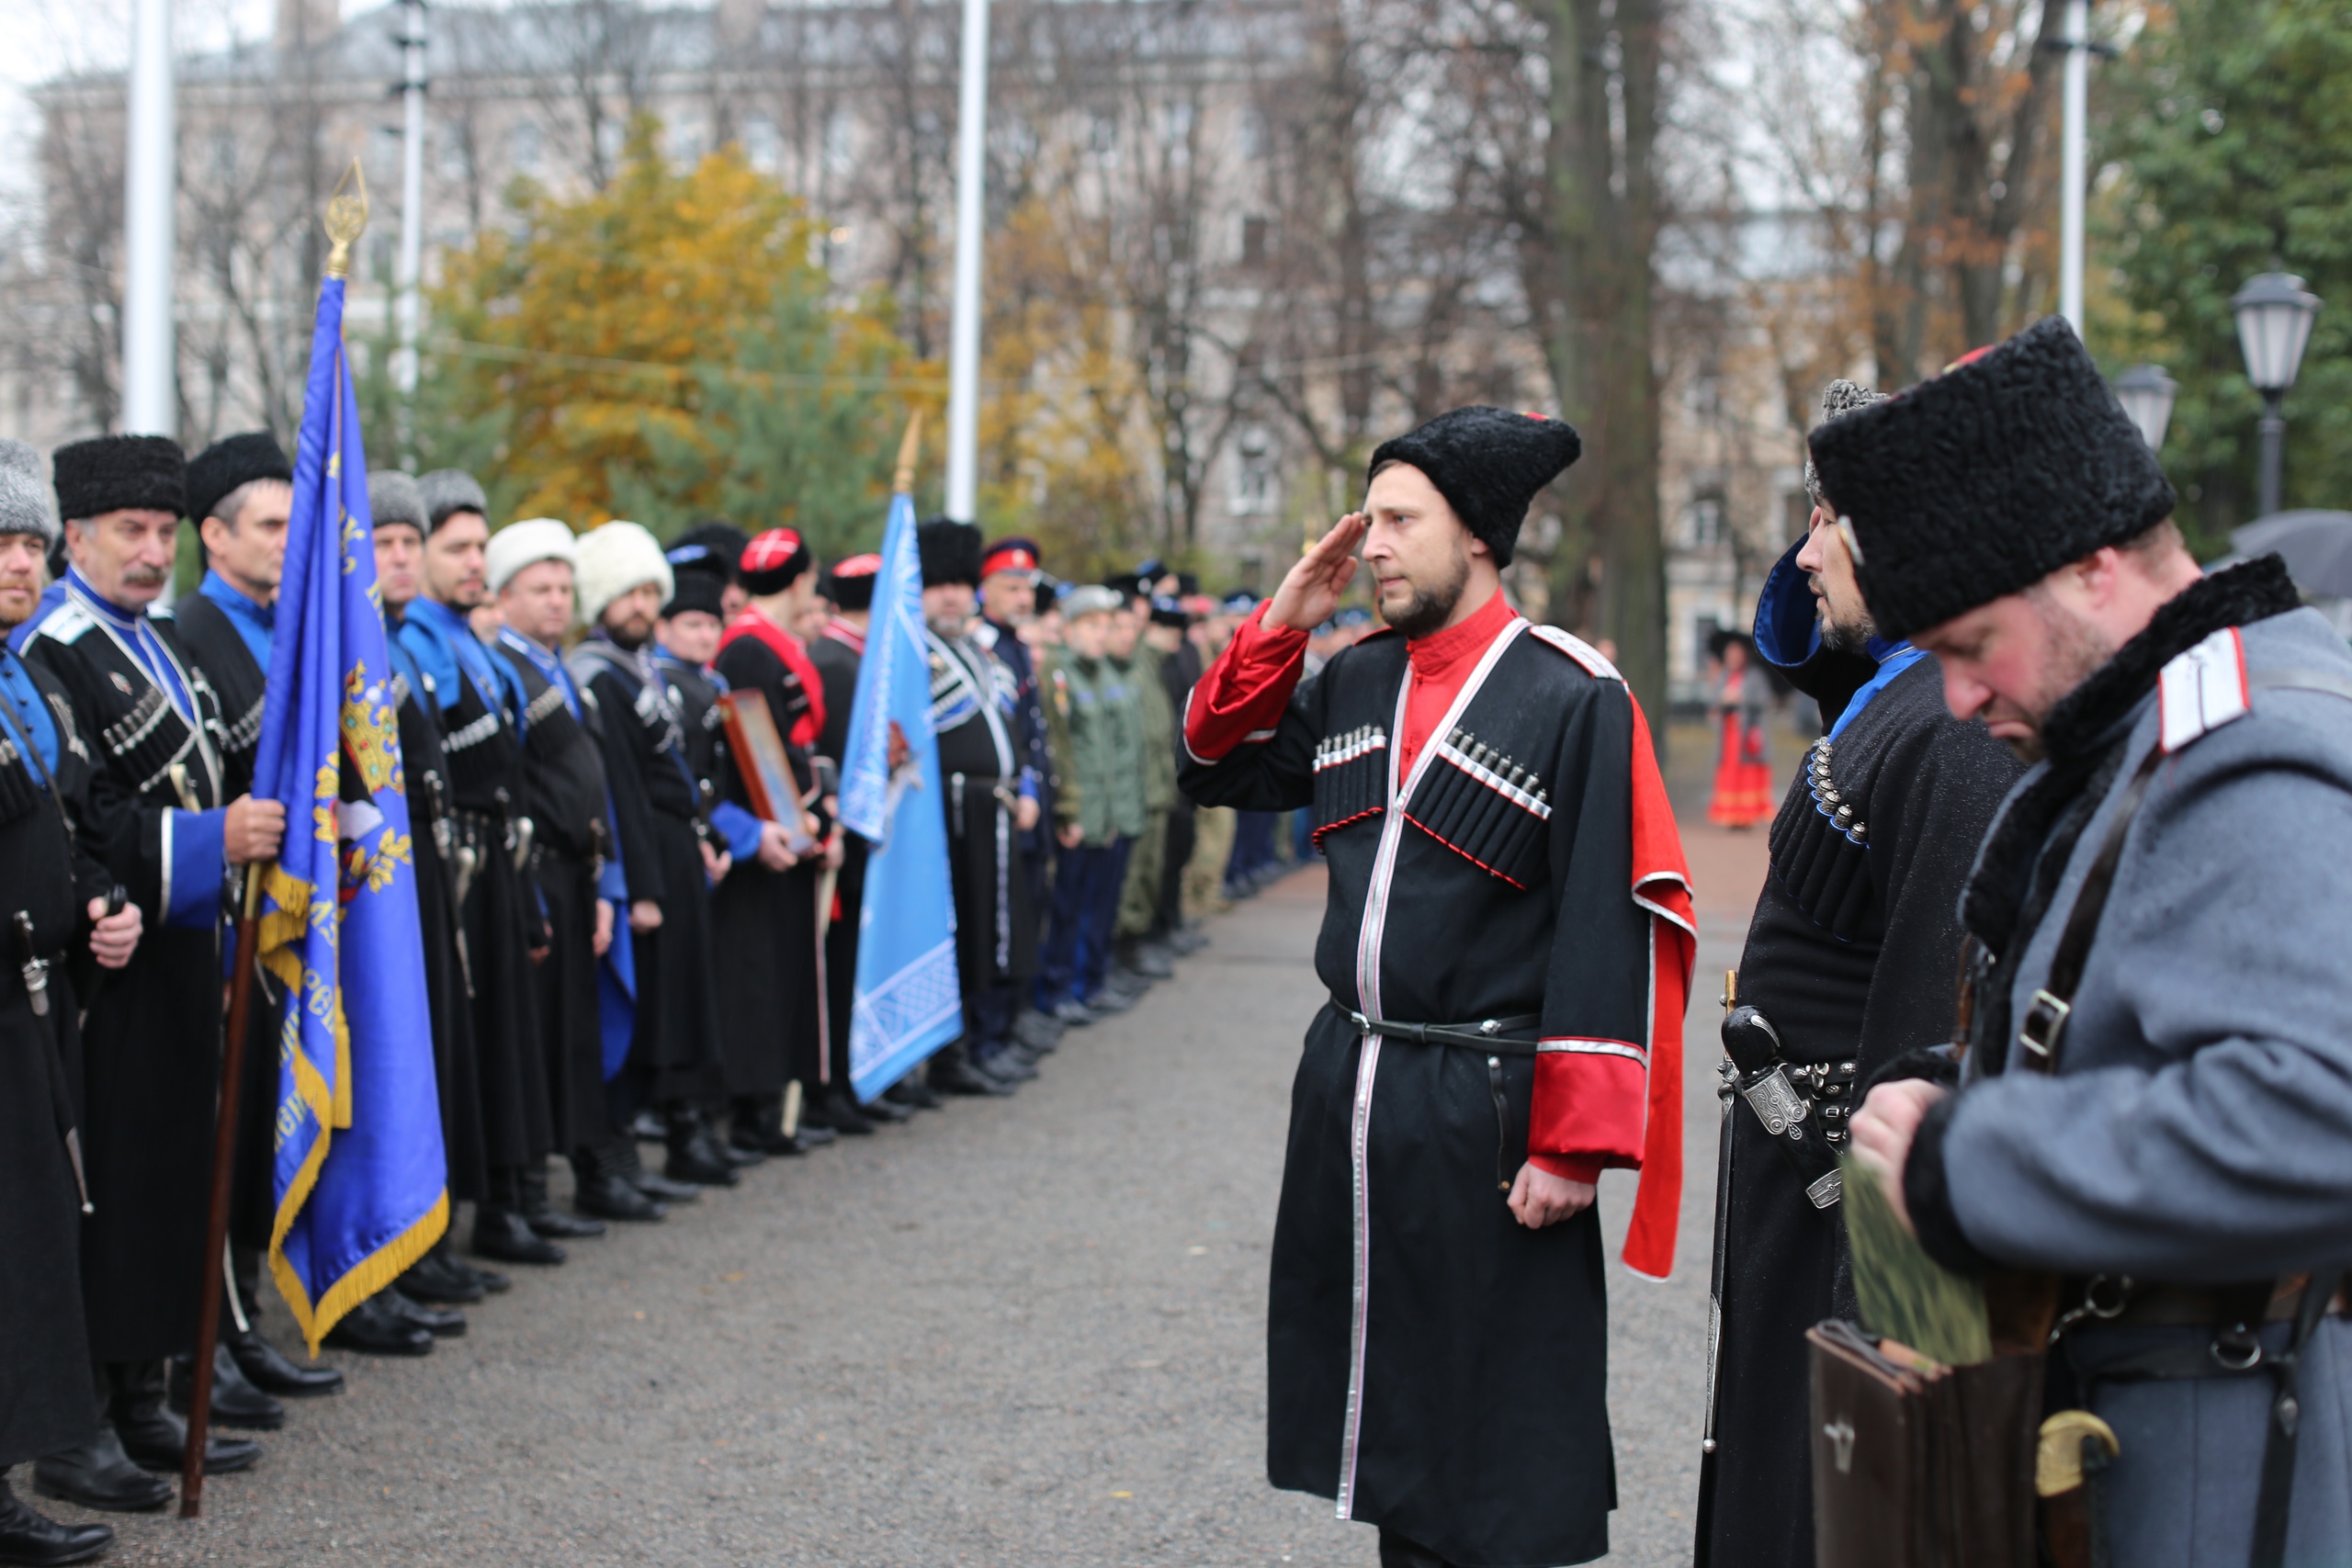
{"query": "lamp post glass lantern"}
(2274, 312)
(2146, 394)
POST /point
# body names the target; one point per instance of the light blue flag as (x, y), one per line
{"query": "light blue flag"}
(908, 1001)
(361, 1181)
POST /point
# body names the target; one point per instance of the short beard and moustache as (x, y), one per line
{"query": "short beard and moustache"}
(2076, 649)
(947, 628)
(1845, 636)
(631, 634)
(1432, 604)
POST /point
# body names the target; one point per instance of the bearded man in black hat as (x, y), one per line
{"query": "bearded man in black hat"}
(1506, 945)
(54, 898)
(1852, 959)
(991, 800)
(165, 823)
(2154, 1111)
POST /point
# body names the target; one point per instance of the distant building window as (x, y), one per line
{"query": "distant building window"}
(1703, 526)
(612, 139)
(763, 147)
(1799, 506)
(1255, 492)
(523, 147)
(457, 158)
(840, 144)
(1256, 142)
(1105, 136)
(1253, 240)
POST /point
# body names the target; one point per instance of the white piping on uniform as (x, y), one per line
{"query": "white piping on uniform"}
(1368, 941)
(1630, 1052)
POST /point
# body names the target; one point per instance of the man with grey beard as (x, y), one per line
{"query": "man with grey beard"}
(1851, 959)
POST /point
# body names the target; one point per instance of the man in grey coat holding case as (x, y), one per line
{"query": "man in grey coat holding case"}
(2156, 1099)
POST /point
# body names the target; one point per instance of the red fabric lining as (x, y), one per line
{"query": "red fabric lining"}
(750, 622)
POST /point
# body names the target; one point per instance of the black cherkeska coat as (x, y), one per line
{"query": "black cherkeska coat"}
(1433, 1366)
(566, 794)
(448, 979)
(46, 874)
(674, 1050)
(242, 685)
(975, 710)
(151, 1034)
(837, 664)
(770, 966)
(1853, 955)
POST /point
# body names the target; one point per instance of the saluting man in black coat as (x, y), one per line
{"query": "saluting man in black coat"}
(167, 824)
(53, 919)
(1854, 958)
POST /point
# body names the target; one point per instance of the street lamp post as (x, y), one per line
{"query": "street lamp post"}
(2146, 394)
(2274, 312)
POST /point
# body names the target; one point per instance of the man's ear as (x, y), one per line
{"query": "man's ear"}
(213, 535)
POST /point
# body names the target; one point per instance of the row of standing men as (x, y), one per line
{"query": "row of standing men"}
(616, 948)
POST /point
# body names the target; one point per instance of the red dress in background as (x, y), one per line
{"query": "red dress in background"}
(1743, 795)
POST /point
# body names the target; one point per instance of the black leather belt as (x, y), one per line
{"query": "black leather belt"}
(1488, 1036)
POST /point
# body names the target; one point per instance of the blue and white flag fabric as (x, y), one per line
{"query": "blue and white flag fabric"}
(908, 1002)
(361, 1181)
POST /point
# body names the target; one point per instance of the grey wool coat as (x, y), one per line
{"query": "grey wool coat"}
(2198, 1128)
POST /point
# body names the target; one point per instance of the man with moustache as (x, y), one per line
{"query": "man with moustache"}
(2154, 1111)
(396, 507)
(1852, 959)
(673, 1064)
(61, 942)
(1437, 1318)
(1009, 570)
(163, 823)
(240, 495)
(481, 709)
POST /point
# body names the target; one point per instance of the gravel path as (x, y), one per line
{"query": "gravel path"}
(1016, 1333)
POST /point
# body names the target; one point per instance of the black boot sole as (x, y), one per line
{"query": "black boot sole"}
(104, 1503)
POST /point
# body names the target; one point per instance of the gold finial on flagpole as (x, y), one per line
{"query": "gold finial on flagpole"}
(347, 218)
(902, 482)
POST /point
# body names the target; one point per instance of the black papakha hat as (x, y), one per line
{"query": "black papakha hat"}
(120, 473)
(698, 586)
(1986, 478)
(229, 463)
(1488, 463)
(950, 552)
(849, 582)
(711, 540)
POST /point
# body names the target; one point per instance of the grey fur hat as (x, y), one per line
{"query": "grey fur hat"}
(451, 490)
(394, 497)
(27, 504)
(1840, 396)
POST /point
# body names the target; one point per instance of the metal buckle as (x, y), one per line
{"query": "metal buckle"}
(2235, 1354)
(2093, 1308)
(1776, 1102)
(1827, 1189)
(2045, 1018)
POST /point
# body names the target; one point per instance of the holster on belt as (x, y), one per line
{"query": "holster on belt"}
(1796, 1120)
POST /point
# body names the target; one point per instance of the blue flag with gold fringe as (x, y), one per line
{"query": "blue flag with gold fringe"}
(361, 1179)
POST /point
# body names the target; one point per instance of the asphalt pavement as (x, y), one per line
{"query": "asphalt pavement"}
(1012, 1334)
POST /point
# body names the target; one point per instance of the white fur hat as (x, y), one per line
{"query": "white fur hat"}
(614, 560)
(527, 543)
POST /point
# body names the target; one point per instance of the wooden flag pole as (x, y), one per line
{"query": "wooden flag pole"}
(216, 1219)
(902, 478)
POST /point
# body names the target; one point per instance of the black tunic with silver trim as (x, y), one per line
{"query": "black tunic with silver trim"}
(1853, 955)
(975, 710)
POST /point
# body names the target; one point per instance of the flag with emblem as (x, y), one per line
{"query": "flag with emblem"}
(908, 1002)
(360, 1179)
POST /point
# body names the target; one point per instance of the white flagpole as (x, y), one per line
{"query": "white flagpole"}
(412, 257)
(150, 397)
(963, 330)
(2072, 158)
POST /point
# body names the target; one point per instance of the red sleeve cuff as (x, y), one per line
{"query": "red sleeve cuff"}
(1242, 696)
(1574, 1168)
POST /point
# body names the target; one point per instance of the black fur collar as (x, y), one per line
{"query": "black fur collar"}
(2084, 727)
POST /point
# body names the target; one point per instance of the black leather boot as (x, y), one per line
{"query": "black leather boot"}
(34, 1539)
(500, 1233)
(266, 1368)
(543, 1217)
(599, 1188)
(693, 1152)
(661, 1188)
(436, 1276)
(843, 1115)
(882, 1108)
(953, 1072)
(235, 1401)
(155, 1437)
(1040, 1031)
(440, 1324)
(373, 1328)
(915, 1094)
(97, 1474)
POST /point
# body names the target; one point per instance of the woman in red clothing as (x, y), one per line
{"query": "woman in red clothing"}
(1743, 794)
